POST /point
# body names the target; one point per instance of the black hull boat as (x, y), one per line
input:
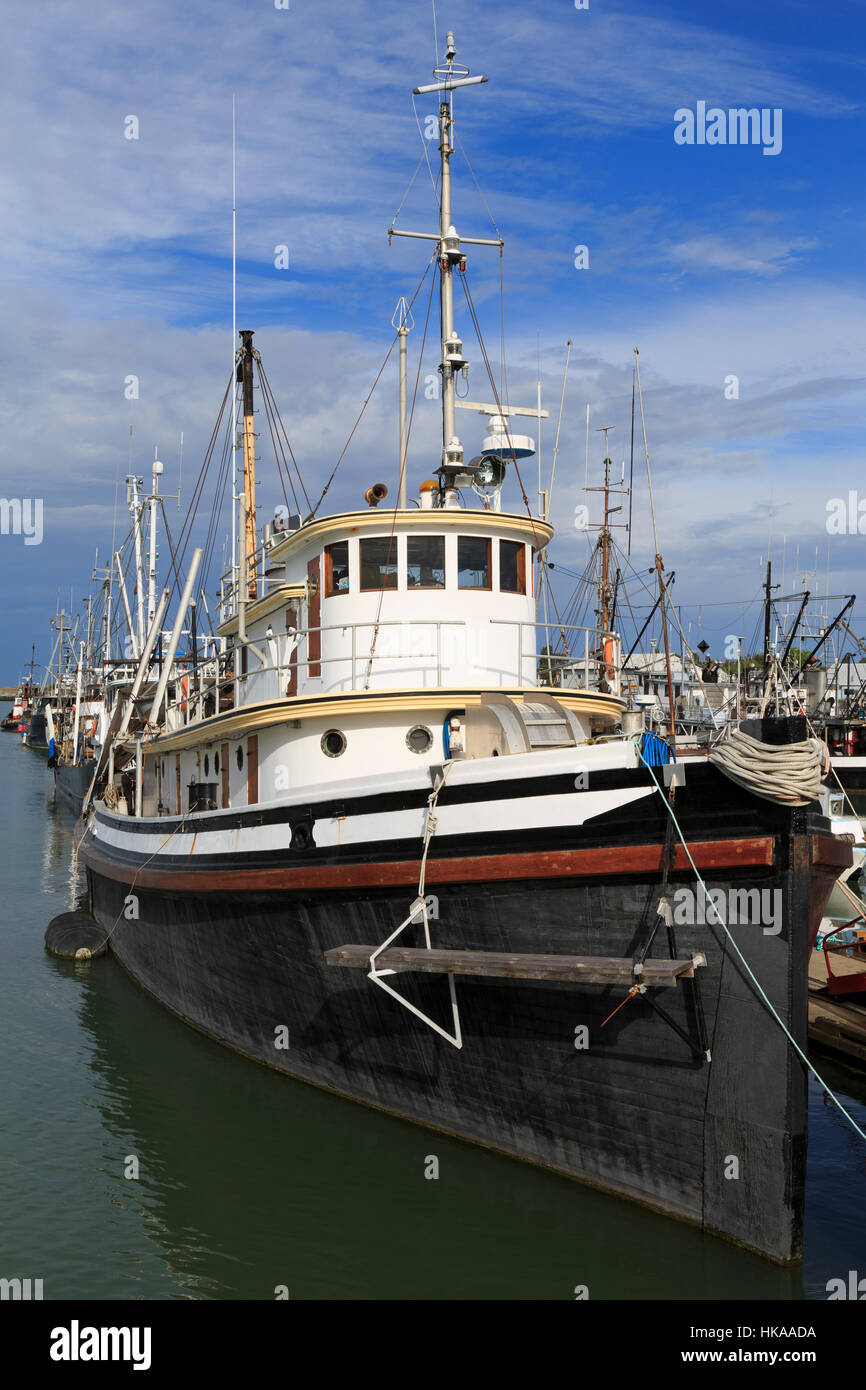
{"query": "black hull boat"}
(36, 735)
(256, 951)
(71, 782)
(393, 834)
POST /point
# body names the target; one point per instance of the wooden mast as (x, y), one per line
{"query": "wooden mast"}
(245, 375)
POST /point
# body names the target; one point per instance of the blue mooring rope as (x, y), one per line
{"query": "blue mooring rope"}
(655, 751)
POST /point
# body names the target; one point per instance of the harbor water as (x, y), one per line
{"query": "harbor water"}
(139, 1160)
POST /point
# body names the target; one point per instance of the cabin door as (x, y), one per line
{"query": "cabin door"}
(314, 618)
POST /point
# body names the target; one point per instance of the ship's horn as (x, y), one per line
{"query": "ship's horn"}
(375, 494)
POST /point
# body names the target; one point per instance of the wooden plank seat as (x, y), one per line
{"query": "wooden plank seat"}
(601, 970)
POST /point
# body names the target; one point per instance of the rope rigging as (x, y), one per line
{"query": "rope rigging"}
(394, 342)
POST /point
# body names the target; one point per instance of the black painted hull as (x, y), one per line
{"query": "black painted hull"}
(639, 1111)
(37, 733)
(71, 783)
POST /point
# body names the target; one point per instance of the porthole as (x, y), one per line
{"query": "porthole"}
(206, 765)
(333, 743)
(419, 739)
(216, 763)
(239, 754)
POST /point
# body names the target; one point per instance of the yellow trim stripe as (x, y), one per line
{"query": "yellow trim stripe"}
(414, 702)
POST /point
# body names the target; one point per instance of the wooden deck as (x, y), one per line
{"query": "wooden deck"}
(596, 970)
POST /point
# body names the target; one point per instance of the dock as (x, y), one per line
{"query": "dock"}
(837, 1023)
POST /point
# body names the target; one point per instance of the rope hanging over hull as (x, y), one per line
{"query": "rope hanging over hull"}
(788, 773)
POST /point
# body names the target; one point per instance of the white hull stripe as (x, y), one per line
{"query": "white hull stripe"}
(383, 828)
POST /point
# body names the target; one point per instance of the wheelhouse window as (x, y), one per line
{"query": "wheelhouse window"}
(379, 563)
(473, 562)
(512, 567)
(336, 569)
(425, 562)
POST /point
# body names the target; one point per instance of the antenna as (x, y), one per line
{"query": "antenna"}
(403, 321)
(234, 388)
(558, 427)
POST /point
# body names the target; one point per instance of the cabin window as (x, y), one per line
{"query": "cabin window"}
(333, 743)
(473, 562)
(419, 739)
(336, 569)
(379, 563)
(216, 762)
(425, 562)
(206, 764)
(512, 567)
(239, 754)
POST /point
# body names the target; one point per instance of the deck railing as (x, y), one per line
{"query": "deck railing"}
(579, 661)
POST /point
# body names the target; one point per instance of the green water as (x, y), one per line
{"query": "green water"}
(249, 1181)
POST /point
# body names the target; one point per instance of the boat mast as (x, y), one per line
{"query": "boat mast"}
(449, 75)
(604, 588)
(135, 511)
(247, 538)
(768, 590)
(446, 269)
(234, 330)
(151, 565)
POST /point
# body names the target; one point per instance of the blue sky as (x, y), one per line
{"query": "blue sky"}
(715, 261)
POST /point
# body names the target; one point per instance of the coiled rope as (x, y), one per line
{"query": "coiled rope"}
(789, 773)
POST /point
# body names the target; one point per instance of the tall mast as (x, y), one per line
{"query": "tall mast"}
(248, 538)
(604, 586)
(446, 272)
(151, 559)
(135, 510)
(449, 75)
(767, 619)
(234, 326)
(604, 540)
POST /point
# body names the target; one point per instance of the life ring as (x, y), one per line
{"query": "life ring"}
(95, 726)
(184, 685)
(825, 760)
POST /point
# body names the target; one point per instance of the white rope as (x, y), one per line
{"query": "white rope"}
(789, 773)
(418, 912)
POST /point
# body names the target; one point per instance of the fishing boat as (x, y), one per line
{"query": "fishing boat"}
(370, 844)
(18, 713)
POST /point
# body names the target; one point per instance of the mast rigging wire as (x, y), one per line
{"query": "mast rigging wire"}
(375, 636)
(394, 341)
